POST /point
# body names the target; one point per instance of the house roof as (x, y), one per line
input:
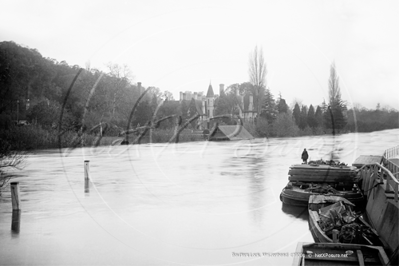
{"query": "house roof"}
(224, 132)
(210, 91)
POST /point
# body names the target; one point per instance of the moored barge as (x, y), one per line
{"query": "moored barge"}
(321, 178)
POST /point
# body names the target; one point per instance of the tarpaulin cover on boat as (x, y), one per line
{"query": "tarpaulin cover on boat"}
(316, 199)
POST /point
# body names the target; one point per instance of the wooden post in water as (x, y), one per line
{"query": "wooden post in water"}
(87, 179)
(15, 196)
(16, 211)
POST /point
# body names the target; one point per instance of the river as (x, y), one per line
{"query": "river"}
(199, 203)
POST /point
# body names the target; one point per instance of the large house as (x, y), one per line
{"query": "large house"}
(205, 105)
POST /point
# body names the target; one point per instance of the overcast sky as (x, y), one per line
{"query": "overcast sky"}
(185, 45)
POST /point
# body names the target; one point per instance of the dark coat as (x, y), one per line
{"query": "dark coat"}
(305, 155)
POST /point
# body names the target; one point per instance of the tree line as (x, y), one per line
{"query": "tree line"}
(34, 88)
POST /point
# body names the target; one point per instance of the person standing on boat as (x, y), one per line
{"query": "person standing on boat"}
(305, 156)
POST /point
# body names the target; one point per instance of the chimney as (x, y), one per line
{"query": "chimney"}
(195, 96)
(221, 89)
(237, 92)
(181, 96)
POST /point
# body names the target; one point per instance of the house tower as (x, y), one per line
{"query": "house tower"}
(210, 99)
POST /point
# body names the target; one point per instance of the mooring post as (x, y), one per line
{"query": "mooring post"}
(16, 211)
(87, 179)
(15, 196)
(87, 169)
(335, 235)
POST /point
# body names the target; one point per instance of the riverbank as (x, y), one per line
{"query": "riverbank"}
(34, 137)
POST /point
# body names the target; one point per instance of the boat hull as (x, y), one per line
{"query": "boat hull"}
(300, 197)
(336, 214)
(322, 173)
(318, 235)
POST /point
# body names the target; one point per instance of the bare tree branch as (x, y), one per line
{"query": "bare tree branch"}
(9, 159)
(257, 74)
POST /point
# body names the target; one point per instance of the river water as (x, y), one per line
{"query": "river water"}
(200, 203)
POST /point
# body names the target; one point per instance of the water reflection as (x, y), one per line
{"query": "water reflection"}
(257, 191)
(296, 212)
(16, 221)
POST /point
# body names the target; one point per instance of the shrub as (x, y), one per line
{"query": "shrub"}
(318, 131)
(284, 126)
(262, 127)
(307, 131)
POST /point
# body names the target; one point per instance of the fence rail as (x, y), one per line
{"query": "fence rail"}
(374, 174)
(391, 152)
(391, 165)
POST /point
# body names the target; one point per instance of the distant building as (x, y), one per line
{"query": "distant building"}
(205, 105)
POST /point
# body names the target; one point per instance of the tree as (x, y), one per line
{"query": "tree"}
(334, 117)
(319, 116)
(154, 103)
(323, 106)
(120, 72)
(257, 74)
(303, 123)
(282, 106)
(247, 88)
(184, 109)
(117, 80)
(168, 96)
(166, 109)
(47, 114)
(23, 73)
(284, 126)
(297, 114)
(228, 102)
(9, 159)
(192, 109)
(363, 120)
(222, 105)
(269, 109)
(143, 113)
(311, 119)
